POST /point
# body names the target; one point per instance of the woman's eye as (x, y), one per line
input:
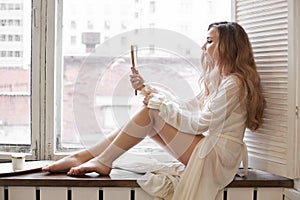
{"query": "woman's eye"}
(209, 41)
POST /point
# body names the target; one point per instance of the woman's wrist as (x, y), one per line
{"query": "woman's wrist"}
(141, 87)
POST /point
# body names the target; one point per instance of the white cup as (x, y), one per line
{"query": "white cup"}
(18, 161)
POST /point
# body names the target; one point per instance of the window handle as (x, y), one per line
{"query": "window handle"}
(35, 18)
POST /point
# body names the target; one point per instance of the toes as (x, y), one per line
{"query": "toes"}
(53, 168)
(72, 172)
(46, 168)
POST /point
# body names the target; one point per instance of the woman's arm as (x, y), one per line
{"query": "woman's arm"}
(189, 118)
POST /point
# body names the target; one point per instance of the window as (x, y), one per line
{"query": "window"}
(3, 6)
(2, 37)
(18, 22)
(17, 54)
(112, 100)
(10, 54)
(10, 37)
(73, 40)
(107, 24)
(3, 22)
(3, 53)
(73, 24)
(10, 6)
(16, 78)
(17, 38)
(10, 22)
(18, 6)
(152, 6)
(90, 25)
(16, 90)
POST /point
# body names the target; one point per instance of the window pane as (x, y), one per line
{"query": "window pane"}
(87, 43)
(15, 74)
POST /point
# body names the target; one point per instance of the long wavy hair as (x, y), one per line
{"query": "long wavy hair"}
(235, 57)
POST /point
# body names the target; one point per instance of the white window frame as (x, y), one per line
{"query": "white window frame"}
(36, 80)
(296, 38)
(48, 138)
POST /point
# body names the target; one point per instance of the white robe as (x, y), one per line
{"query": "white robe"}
(216, 158)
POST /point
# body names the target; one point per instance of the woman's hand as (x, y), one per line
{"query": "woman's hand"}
(147, 98)
(136, 79)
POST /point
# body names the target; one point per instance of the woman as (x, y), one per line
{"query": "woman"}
(206, 134)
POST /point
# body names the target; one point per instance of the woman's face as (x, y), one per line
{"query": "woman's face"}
(212, 40)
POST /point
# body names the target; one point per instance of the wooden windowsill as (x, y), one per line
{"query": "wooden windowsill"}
(122, 178)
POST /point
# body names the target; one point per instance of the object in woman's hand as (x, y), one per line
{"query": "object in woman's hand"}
(133, 62)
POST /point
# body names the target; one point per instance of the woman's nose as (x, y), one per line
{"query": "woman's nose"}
(203, 47)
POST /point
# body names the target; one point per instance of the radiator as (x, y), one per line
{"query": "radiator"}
(123, 193)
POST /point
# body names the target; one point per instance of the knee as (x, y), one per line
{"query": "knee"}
(153, 116)
(153, 112)
(142, 117)
(144, 111)
(158, 122)
(149, 111)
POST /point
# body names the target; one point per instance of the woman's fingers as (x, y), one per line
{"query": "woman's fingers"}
(134, 70)
(147, 98)
(136, 79)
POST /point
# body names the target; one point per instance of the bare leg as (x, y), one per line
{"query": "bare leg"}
(179, 144)
(66, 163)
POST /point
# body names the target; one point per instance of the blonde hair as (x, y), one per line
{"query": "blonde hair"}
(235, 57)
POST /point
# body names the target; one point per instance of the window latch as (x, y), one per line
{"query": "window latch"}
(35, 18)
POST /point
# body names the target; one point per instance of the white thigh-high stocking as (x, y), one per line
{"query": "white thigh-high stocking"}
(142, 125)
(99, 147)
(130, 135)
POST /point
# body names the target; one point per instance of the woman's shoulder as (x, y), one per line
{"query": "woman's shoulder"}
(232, 80)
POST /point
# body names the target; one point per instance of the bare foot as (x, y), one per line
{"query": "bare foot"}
(93, 165)
(64, 164)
